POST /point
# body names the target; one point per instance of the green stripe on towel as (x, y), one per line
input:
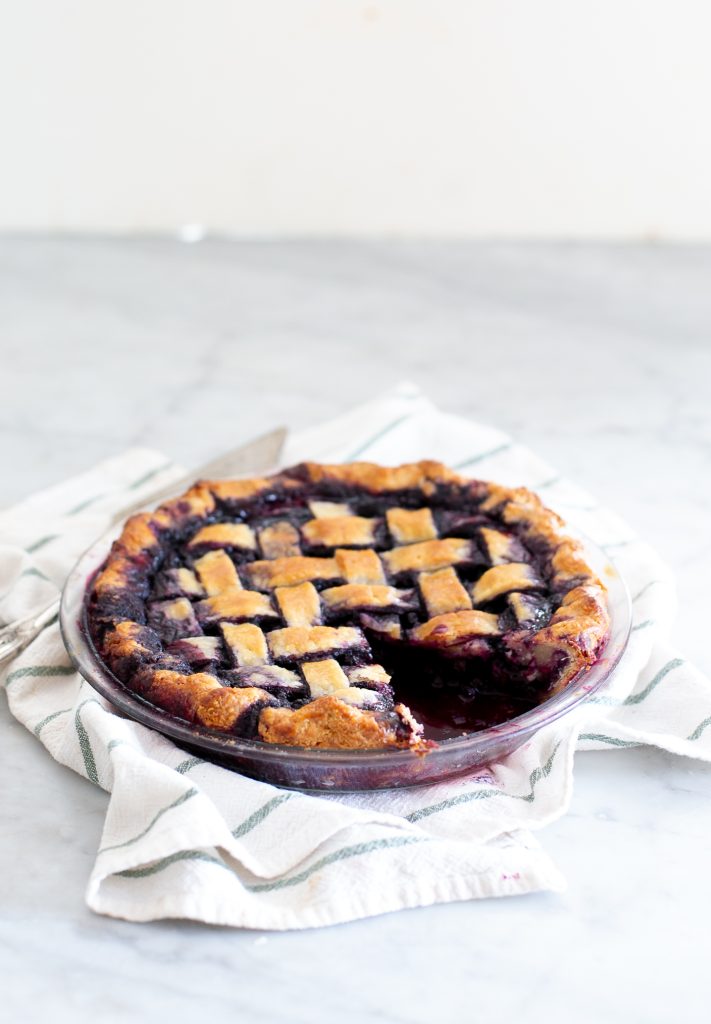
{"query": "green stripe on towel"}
(85, 744)
(160, 865)
(600, 738)
(149, 476)
(345, 853)
(40, 671)
(376, 437)
(31, 548)
(183, 798)
(536, 775)
(637, 698)
(191, 762)
(700, 728)
(50, 718)
(484, 455)
(259, 815)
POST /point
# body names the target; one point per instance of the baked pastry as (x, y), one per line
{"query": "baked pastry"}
(347, 606)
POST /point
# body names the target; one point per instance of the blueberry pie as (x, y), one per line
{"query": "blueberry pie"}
(347, 606)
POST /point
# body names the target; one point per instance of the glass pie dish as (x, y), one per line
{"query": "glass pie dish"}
(344, 769)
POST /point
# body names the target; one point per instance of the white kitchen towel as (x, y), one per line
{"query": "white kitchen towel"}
(186, 839)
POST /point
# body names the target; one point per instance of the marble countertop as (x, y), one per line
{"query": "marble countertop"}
(599, 358)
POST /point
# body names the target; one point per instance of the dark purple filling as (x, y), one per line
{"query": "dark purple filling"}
(454, 695)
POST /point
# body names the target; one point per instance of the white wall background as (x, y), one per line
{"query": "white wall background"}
(573, 118)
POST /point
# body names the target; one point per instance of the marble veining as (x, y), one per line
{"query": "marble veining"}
(599, 358)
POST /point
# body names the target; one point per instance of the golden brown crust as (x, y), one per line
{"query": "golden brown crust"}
(410, 525)
(115, 575)
(568, 563)
(360, 596)
(138, 535)
(427, 555)
(235, 605)
(287, 572)
(501, 579)
(279, 540)
(370, 675)
(223, 709)
(125, 639)
(331, 723)
(196, 503)
(217, 573)
(442, 592)
(180, 694)
(578, 628)
(523, 508)
(453, 627)
(326, 509)
(325, 677)
(179, 609)
(224, 535)
(424, 475)
(238, 490)
(340, 531)
(299, 605)
(293, 643)
(500, 547)
(382, 625)
(359, 566)
(246, 643)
